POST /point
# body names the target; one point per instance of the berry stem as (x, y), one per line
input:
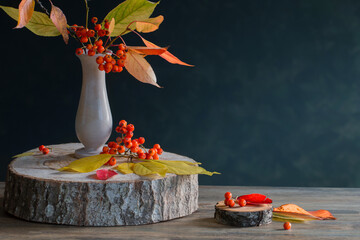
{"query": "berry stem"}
(87, 14)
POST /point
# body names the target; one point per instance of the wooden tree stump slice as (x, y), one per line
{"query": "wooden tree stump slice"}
(36, 191)
(248, 216)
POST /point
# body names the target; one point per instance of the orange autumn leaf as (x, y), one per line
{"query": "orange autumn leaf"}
(111, 26)
(148, 51)
(295, 209)
(150, 25)
(26, 9)
(323, 214)
(139, 68)
(59, 20)
(166, 55)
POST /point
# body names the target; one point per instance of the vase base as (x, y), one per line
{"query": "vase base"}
(82, 152)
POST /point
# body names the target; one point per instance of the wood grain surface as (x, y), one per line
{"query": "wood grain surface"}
(344, 203)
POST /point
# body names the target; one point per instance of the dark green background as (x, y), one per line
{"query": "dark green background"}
(273, 100)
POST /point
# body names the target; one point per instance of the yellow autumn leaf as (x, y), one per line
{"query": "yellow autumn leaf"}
(176, 161)
(23, 154)
(26, 9)
(149, 25)
(87, 164)
(184, 168)
(125, 168)
(39, 23)
(150, 168)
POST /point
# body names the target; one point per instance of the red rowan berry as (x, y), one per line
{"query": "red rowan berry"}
(83, 32)
(108, 67)
(119, 52)
(118, 129)
(90, 33)
(242, 202)
(121, 149)
(107, 25)
(115, 68)
(89, 46)
(120, 69)
(231, 203)
(135, 143)
(84, 39)
(141, 140)
(97, 27)
(107, 58)
(122, 46)
(112, 161)
(41, 147)
(94, 20)
(123, 57)
(228, 195)
(123, 130)
(101, 32)
(91, 52)
(79, 51)
(118, 139)
(152, 152)
(130, 128)
(140, 151)
(157, 146)
(120, 62)
(156, 157)
(100, 49)
(113, 151)
(122, 123)
(94, 48)
(74, 27)
(142, 155)
(287, 226)
(126, 139)
(105, 149)
(159, 151)
(99, 60)
(45, 151)
(134, 149)
(111, 144)
(128, 144)
(101, 67)
(130, 134)
(226, 202)
(99, 42)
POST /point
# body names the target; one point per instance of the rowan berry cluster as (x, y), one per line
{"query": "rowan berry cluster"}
(126, 145)
(93, 44)
(44, 149)
(229, 201)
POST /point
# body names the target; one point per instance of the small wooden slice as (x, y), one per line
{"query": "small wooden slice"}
(36, 191)
(248, 216)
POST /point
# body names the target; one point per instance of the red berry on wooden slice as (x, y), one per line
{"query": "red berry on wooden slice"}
(45, 151)
(287, 226)
(228, 195)
(41, 147)
(242, 202)
(231, 203)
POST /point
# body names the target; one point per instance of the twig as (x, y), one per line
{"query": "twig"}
(42, 7)
(87, 14)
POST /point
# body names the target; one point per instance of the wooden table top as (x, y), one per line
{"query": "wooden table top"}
(343, 203)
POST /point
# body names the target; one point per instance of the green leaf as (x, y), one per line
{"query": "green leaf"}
(40, 23)
(87, 164)
(23, 154)
(129, 11)
(125, 168)
(150, 168)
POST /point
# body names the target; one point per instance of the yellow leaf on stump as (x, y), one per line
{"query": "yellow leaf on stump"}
(150, 168)
(87, 164)
(23, 154)
(125, 168)
(149, 25)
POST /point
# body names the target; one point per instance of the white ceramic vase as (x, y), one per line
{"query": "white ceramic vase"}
(93, 122)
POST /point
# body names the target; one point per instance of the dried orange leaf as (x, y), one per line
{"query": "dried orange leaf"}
(147, 50)
(111, 26)
(291, 208)
(26, 9)
(149, 25)
(323, 214)
(137, 66)
(166, 55)
(59, 20)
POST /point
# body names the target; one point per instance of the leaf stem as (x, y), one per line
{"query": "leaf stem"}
(42, 7)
